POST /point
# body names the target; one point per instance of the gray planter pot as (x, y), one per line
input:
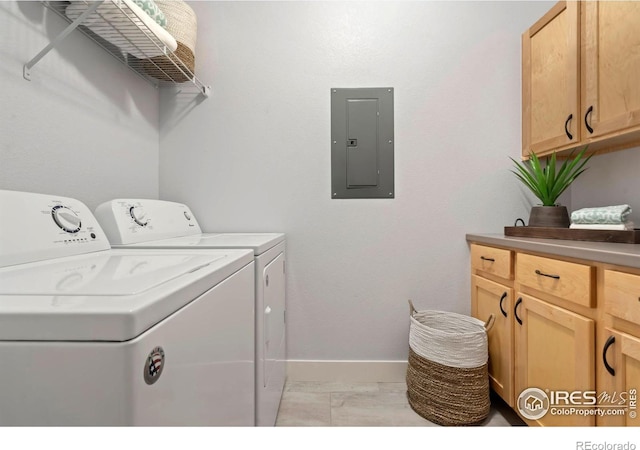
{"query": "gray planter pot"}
(549, 216)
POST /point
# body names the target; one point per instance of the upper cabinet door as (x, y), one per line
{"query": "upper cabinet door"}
(550, 81)
(611, 67)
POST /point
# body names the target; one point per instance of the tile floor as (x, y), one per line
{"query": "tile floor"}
(324, 404)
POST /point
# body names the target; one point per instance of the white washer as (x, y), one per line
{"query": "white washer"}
(144, 223)
(101, 337)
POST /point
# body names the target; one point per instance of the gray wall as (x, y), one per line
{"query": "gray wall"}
(256, 155)
(84, 127)
(611, 179)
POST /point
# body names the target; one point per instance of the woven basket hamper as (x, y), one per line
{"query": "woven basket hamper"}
(447, 374)
(182, 24)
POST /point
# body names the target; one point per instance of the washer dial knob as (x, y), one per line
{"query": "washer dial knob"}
(66, 219)
(187, 215)
(138, 215)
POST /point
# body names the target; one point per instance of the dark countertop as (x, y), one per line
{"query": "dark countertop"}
(605, 252)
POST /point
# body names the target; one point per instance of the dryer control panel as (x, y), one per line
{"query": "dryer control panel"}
(133, 221)
(36, 227)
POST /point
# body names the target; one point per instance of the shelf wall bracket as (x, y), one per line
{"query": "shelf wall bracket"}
(26, 72)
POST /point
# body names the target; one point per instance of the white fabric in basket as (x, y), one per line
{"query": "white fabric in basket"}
(134, 32)
(449, 339)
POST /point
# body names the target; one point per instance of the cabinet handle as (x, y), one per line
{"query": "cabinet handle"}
(586, 116)
(609, 343)
(488, 325)
(555, 277)
(566, 124)
(487, 259)
(504, 313)
(515, 310)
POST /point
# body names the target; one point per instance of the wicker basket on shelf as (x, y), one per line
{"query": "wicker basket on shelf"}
(182, 24)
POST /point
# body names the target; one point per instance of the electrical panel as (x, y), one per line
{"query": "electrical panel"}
(362, 143)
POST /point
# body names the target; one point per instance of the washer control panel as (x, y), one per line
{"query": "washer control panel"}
(133, 221)
(66, 218)
(48, 227)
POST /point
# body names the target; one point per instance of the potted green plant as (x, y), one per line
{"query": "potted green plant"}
(547, 183)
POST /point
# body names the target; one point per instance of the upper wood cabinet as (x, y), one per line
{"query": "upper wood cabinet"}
(610, 67)
(550, 81)
(580, 72)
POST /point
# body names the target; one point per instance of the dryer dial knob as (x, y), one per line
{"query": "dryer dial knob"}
(138, 215)
(66, 219)
(187, 215)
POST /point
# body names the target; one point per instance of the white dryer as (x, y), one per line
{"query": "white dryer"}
(101, 337)
(144, 223)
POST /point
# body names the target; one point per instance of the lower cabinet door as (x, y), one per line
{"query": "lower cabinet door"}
(555, 364)
(618, 393)
(489, 298)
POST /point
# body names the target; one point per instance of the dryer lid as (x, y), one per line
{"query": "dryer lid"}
(258, 242)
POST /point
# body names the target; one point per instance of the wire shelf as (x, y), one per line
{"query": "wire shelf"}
(124, 34)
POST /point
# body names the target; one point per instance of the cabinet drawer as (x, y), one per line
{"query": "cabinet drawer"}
(569, 281)
(492, 260)
(622, 295)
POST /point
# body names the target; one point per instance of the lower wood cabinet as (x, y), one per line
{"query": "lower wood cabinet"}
(567, 332)
(489, 297)
(621, 359)
(555, 352)
(618, 367)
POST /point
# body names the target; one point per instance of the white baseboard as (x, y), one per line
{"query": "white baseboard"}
(347, 371)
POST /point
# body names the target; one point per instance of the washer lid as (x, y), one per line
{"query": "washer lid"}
(112, 295)
(258, 242)
(100, 274)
